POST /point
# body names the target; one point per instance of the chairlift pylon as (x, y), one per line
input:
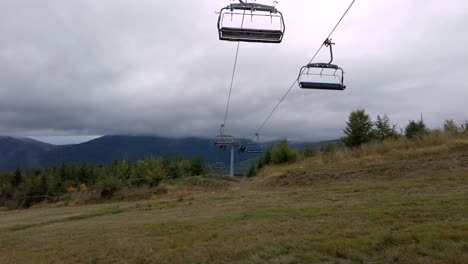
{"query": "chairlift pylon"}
(232, 24)
(304, 72)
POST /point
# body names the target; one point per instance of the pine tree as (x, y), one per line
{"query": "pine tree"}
(282, 153)
(451, 128)
(415, 129)
(197, 166)
(17, 177)
(359, 129)
(383, 129)
(309, 152)
(252, 171)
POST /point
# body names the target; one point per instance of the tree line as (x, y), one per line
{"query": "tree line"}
(22, 188)
(360, 129)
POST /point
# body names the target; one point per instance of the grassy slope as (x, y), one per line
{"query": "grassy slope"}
(385, 204)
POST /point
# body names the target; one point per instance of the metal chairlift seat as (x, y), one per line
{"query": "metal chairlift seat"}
(250, 35)
(245, 34)
(219, 165)
(254, 148)
(322, 85)
(224, 141)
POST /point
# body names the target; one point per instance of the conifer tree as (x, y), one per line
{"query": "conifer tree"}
(415, 129)
(383, 128)
(359, 129)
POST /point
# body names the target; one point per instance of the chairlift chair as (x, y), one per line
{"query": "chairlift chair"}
(219, 165)
(232, 24)
(332, 84)
(255, 147)
(222, 141)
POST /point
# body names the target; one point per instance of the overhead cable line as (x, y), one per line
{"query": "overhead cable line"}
(230, 89)
(223, 125)
(296, 80)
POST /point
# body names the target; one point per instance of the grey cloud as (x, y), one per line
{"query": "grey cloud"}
(157, 67)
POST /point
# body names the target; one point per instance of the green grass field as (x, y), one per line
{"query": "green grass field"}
(400, 206)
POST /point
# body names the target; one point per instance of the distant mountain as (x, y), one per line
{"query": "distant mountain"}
(21, 152)
(29, 153)
(106, 149)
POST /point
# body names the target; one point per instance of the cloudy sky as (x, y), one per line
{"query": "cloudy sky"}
(87, 67)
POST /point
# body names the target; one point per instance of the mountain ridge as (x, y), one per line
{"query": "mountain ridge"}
(29, 153)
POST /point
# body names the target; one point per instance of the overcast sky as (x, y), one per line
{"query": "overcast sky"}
(87, 67)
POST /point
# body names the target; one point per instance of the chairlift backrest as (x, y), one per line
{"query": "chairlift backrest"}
(241, 30)
(219, 165)
(224, 141)
(255, 147)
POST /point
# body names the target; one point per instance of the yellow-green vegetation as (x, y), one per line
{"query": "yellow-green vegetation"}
(396, 202)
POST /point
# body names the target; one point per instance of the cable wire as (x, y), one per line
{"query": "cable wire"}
(297, 79)
(223, 125)
(230, 88)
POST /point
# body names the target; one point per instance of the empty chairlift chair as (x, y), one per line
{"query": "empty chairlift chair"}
(322, 76)
(255, 147)
(222, 141)
(219, 165)
(331, 84)
(251, 22)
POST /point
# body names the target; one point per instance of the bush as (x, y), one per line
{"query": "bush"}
(330, 148)
(309, 152)
(383, 129)
(108, 186)
(415, 129)
(451, 128)
(283, 154)
(198, 167)
(464, 127)
(264, 160)
(152, 170)
(252, 171)
(6, 188)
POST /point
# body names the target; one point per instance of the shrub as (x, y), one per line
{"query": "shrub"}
(252, 171)
(264, 160)
(282, 153)
(464, 127)
(83, 187)
(415, 129)
(330, 148)
(451, 128)
(6, 188)
(383, 129)
(71, 189)
(197, 166)
(309, 152)
(108, 186)
(152, 170)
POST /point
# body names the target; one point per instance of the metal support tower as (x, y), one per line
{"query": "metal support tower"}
(231, 170)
